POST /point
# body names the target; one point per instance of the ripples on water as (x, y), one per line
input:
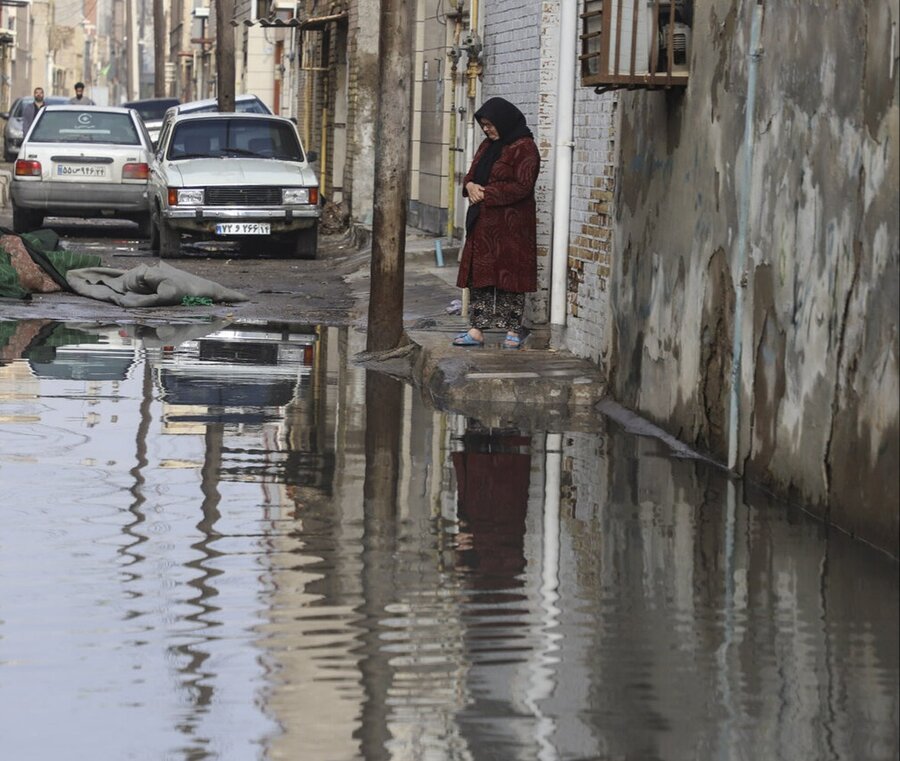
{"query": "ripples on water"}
(228, 542)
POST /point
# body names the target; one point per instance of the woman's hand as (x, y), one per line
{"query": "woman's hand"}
(475, 192)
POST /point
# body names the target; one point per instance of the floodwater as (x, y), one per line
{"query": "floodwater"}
(230, 542)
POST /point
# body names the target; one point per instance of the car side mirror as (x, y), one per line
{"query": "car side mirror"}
(312, 156)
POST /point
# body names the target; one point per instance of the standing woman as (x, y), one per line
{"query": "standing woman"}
(499, 260)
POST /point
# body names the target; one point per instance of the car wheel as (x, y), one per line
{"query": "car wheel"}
(306, 243)
(25, 220)
(169, 239)
(145, 225)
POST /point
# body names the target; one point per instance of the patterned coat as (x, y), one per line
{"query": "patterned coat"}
(501, 249)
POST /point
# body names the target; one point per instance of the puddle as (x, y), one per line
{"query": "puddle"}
(228, 541)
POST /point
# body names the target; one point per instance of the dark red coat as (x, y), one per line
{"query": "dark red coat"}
(501, 249)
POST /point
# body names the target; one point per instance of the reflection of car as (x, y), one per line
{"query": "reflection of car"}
(239, 369)
(71, 352)
(152, 111)
(257, 382)
(12, 136)
(233, 176)
(82, 161)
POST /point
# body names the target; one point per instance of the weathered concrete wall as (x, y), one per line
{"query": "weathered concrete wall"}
(359, 169)
(819, 367)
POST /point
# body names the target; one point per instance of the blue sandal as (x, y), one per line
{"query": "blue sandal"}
(512, 342)
(464, 339)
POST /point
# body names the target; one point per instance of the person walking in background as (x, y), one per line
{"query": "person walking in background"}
(499, 260)
(30, 110)
(79, 99)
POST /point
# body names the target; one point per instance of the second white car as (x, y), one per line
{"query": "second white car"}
(234, 177)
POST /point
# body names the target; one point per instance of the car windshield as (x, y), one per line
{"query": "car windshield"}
(85, 127)
(252, 138)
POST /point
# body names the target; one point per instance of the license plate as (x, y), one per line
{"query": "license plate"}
(243, 228)
(75, 170)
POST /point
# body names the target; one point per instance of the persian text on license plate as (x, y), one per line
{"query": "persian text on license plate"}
(70, 170)
(243, 228)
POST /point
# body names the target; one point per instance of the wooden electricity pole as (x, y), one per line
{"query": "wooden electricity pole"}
(225, 54)
(391, 176)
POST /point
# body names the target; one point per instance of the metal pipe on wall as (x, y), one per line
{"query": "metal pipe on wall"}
(740, 276)
(564, 147)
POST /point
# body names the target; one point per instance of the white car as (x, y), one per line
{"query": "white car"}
(234, 177)
(82, 161)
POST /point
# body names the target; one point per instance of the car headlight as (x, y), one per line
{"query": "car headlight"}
(187, 196)
(291, 196)
(16, 133)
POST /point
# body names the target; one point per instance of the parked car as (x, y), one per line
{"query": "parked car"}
(82, 161)
(152, 111)
(12, 134)
(243, 104)
(236, 176)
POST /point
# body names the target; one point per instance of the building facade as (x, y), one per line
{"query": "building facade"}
(735, 274)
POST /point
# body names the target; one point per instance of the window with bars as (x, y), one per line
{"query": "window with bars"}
(635, 43)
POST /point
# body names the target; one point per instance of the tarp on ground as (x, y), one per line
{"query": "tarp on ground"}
(148, 285)
(35, 263)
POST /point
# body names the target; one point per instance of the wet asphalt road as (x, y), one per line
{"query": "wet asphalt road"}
(279, 288)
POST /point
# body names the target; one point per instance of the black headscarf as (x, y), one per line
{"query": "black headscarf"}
(510, 124)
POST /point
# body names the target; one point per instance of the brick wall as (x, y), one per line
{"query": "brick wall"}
(521, 64)
(514, 47)
(590, 225)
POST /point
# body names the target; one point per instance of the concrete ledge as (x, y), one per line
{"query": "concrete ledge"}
(533, 388)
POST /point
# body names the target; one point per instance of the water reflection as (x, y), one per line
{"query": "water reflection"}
(227, 541)
(492, 470)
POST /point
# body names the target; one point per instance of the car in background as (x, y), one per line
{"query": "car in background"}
(82, 161)
(234, 177)
(152, 111)
(13, 133)
(243, 104)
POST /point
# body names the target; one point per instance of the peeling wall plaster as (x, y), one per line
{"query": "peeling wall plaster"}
(819, 403)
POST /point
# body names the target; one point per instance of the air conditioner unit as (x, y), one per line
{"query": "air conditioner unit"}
(681, 46)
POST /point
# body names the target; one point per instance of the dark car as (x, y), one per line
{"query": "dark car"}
(13, 133)
(151, 111)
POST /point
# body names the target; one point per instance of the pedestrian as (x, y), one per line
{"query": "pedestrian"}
(499, 259)
(79, 98)
(30, 110)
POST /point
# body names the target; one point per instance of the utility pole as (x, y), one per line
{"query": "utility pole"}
(225, 54)
(391, 195)
(134, 67)
(159, 49)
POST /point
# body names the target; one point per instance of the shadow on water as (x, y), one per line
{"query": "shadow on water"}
(250, 547)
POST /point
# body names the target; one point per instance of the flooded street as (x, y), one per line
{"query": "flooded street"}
(228, 541)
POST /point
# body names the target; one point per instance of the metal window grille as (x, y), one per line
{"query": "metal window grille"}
(635, 43)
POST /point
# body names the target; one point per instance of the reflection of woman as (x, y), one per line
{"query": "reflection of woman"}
(492, 475)
(499, 260)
